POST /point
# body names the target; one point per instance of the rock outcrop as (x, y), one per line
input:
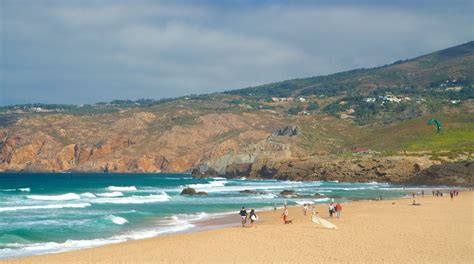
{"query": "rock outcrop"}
(288, 131)
(457, 173)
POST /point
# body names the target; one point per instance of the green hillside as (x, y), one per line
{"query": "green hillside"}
(428, 71)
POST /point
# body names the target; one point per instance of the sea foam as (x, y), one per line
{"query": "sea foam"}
(135, 199)
(88, 194)
(121, 188)
(117, 219)
(62, 197)
(17, 249)
(208, 185)
(110, 194)
(49, 206)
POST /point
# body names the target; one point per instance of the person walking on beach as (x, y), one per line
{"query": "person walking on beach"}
(253, 217)
(286, 220)
(243, 216)
(331, 209)
(338, 209)
(305, 209)
(422, 193)
(451, 193)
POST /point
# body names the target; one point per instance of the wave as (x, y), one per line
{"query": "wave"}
(208, 185)
(49, 206)
(110, 194)
(88, 194)
(17, 249)
(264, 196)
(302, 202)
(163, 197)
(117, 219)
(14, 190)
(321, 200)
(62, 197)
(121, 188)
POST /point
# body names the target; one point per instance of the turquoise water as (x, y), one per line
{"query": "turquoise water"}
(52, 212)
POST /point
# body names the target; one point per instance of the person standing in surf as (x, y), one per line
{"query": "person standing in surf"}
(243, 216)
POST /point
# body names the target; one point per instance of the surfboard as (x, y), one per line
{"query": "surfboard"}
(323, 222)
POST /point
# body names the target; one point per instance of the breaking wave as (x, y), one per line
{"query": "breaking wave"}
(49, 206)
(62, 197)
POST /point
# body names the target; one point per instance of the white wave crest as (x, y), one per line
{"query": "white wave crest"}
(163, 197)
(110, 194)
(62, 197)
(208, 185)
(49, 206)
(14, 190)
(301, 202)
(117, 219)
(121, 188)
(321, 200)
(88, 194)
(264, 196)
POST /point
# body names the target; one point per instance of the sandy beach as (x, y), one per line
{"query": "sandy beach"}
(388, 231)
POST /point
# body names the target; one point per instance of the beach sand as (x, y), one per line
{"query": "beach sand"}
(437, 231)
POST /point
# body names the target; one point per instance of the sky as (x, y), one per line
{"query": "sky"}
(89, 51)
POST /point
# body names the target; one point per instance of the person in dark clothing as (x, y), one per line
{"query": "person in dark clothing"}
(243, 216)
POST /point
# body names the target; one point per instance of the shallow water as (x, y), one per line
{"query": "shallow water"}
(52, 212)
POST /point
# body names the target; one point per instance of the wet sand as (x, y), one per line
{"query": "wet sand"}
(389, 231)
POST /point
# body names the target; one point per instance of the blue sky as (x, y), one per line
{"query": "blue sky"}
(90, 51)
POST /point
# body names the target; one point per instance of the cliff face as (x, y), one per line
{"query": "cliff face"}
(129, 142)
(260, 144)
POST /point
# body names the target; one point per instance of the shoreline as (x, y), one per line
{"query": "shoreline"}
(228, 223)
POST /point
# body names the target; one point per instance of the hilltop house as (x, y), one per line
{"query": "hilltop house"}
(282, 99)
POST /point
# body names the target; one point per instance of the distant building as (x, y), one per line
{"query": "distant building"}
(303, 113)
(361, 150)
(282, 99)
(454, 88)
(301, 99)
(369, 100)
(350, 111)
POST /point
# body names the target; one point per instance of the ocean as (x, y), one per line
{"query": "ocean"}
(54, 212)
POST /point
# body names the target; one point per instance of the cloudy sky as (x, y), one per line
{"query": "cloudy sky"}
(89, 51)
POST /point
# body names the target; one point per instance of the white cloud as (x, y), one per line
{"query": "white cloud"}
(131, 50)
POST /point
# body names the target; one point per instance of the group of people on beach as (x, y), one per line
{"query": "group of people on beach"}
(333, 209)
(453, 193)
(252, 216)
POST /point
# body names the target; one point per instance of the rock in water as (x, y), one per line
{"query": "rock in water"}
(188, 191)
(191, 191)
